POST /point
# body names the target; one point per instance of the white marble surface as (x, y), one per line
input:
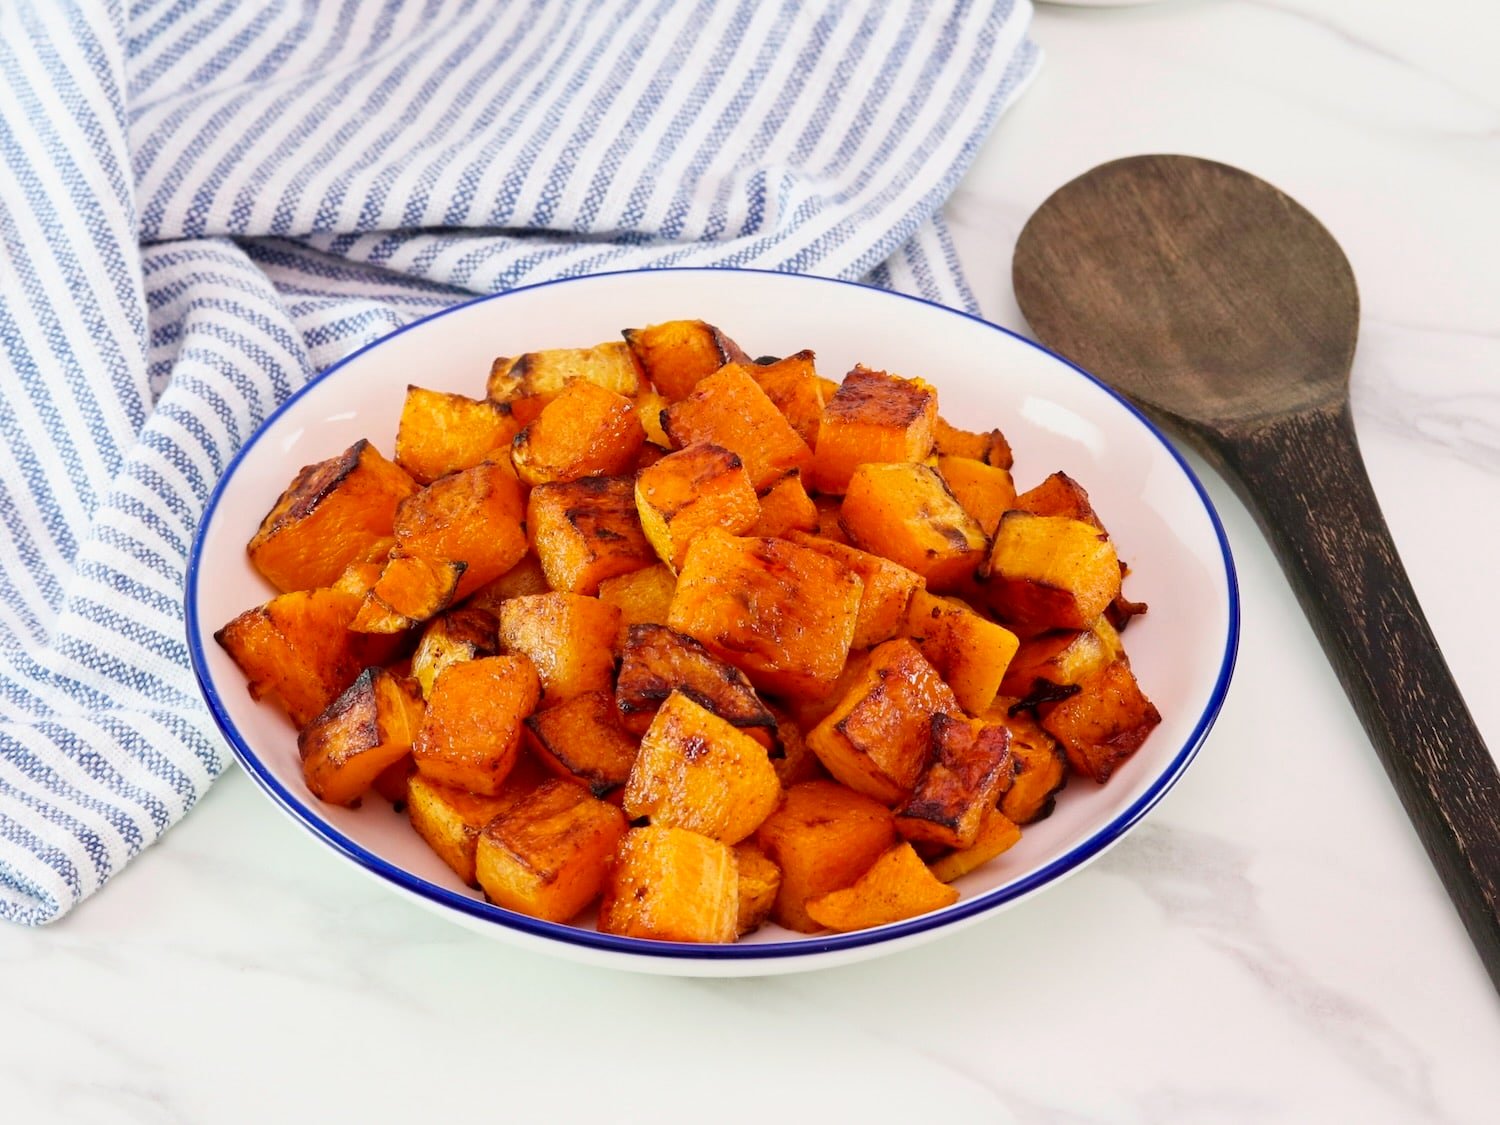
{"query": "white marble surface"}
(1271, 945)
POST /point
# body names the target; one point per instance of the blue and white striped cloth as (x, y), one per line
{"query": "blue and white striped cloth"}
(203, 202)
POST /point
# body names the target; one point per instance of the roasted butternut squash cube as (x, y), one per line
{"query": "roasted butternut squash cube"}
(1060, 495)
(367, 728)
(297, 650)
(330, 516)
(526, 577)
(687, 492)
(997, 834)
(657, 661)
(441, 433)
(991, 447)
(1050, 572)
(729, 409)
(1038, 768)
(792, 758)
(984, 491)
(1104, 723)
(587, 530)
(760, 879)
(823, 837)
(526, 409)
(643, 597)
(811, 711)
(888, 588)
(897, 886)
(548, 856)
(906, 513)
(970, 768)
(970, 652)
(792, 384)
(874, 416)
(466, 633)
(1064, 656)
(411, 589)
(695, 771)
(569, 639)
(610, 365)
(472, 517)
(586, 431)
(678, 354)
(391, 782)
(785, 507)
(359, 578)
(669, 884)
(471, 734)
(450, 820)
(581, 740)
(649, 405)
(783, 614)
(829, 525)
(878, 739)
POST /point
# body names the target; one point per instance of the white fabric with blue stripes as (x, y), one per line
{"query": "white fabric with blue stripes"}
(204, 202)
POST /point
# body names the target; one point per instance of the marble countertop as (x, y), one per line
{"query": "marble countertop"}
(1270, 945)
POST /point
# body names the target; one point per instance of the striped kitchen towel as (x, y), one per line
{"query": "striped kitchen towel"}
(203, 202)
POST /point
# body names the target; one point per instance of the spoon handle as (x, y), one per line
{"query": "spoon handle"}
(1304, 478)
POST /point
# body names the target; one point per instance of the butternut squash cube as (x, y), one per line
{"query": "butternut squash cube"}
(829, 525)
(896, 887)
(874, 416)
(878, 739)
(526, 577)
(1050, 572)
(669, 884)
(695, 771)
(785, 507)
(970, 652)
(1038, 768)
(997, 834)
(568, 638)
(450, 820)
(888, 588)
(467, 633)
(984, 491)
(649, 405)
(586, 431)
(823, 837)
(1064, 656)
(581, 740)
(471, 735)
(906, 513)
(410, 590)
(657, 661)
(1060, 495)
(328, 517)
(678, 354)
(1104, 723)
(367, 728)
(587, 530)
(783, 614)
(359, 578)
(610, 365)
(643, 597)
(548, 856)
(441, 433)
(687, 492)
(991, 447)
(729, 409)
(760, 879)
(970, 768)
(473, 517)
(792, 384)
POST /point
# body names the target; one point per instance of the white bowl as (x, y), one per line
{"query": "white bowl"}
(1055, 416)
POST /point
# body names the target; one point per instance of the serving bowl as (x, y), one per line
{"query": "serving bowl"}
(1054, 415)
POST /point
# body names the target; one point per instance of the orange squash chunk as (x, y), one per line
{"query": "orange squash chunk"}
(785, 507)
(747, 601)
(906, 513)
(441, 433)
(1059, 495)
(368, 727)
(669, 884)
(896, 887)
(793, 386)
(472, 517)
(329, 516)
(471, 735)
(970, 652)
(829, 526)
(1038, 768)
(609, 365)
(970, 768)
(997, 834)
(1050, 572)
(450, 820)
(991, 447)
(695, 771)
(823, 837)
(410, 590)
(581, 740)
(678, 354)
(586, 431)
(874, 416)
(467, 633)
(658, 661)
(649, 405)
(526, 577)
(984, 491)
(888, 588)
(729, 409)
(569, 639)
(643, 597)
(687, 492)
(1065, 656)
(878, 739)
(587, 530)
(548, 856)
(760, 879)
(1104, 723)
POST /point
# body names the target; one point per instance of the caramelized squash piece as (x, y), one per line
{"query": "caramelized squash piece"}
(1064, 656)
(991, 447)
(907, 514)
(586, 431)
(410, 590)
(471, 735)
(678, 354)
(548, 856)
(331, 515)
(442, 433)
(526, 577)
(785, 507)
(1060, 495)
(472, 517)
(587, 530)
(695, 771)
(830, 526)
(997, 834)
(1050, 572)
(896, 887)
(581, 740)
(687, 492)
(610, 365)
(368, 727)
(969, 770)
(970, 652)
(1038, 768)
(669, 884)
(1104, 723)
(760, 879)
(649, 405)
(643, 597)
(984, 491)
(792, 384)
(569, 639)
(467, 633)
(729, 409)
(888, 588)
(874, 416)
(657, 661)
(450, 820)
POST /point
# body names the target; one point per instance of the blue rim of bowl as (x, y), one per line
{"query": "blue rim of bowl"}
(1068, 862)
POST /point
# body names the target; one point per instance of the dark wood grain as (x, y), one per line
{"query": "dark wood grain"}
(1226, 310)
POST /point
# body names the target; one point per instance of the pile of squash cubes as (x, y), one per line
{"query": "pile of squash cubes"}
(702, 639)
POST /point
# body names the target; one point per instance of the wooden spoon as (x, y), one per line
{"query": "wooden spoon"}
(1225, 309)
